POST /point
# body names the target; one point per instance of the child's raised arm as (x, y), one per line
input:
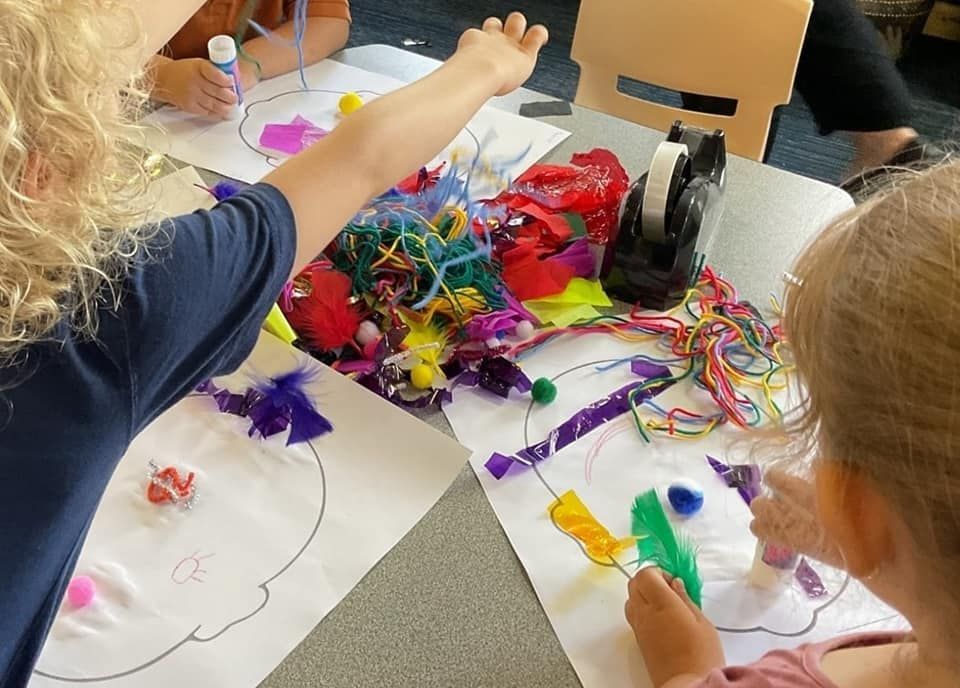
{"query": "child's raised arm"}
(387, 139)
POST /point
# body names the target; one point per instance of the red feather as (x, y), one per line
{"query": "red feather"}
(324, 318)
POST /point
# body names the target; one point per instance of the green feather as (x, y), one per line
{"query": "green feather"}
(658, 544)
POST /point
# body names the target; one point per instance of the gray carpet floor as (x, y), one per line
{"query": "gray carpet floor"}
(932, 70)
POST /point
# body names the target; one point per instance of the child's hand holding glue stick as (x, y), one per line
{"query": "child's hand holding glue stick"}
(786, 524)
(197, 86)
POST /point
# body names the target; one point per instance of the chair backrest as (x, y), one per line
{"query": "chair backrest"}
(746, 50)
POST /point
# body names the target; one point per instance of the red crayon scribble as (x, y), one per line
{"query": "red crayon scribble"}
(188, 569)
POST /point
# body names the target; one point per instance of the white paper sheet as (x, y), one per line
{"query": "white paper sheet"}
(609, 468)
(178, 193)
(220, 594)
(232, 147)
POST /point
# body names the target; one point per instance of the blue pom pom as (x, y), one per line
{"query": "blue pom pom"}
(224, 189)
(685, 496)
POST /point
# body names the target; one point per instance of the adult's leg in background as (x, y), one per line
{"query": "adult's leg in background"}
(852, 84)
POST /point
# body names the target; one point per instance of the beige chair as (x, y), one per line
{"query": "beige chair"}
(746, 50)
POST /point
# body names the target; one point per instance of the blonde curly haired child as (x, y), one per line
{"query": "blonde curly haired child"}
(104, 321)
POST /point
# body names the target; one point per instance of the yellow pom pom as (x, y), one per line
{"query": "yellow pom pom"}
(350, 103)
(421, 376)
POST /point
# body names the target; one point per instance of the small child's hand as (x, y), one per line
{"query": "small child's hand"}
(675, 638)
(789, 518)
(195, 86)
(510, 48)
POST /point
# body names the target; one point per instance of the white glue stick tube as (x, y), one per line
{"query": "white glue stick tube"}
(772, 565)
(223, 54)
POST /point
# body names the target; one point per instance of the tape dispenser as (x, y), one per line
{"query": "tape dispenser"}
(666, 220)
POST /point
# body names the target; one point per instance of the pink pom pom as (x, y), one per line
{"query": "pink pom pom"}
(81, 591)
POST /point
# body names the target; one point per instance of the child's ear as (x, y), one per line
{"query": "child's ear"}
(855, 516)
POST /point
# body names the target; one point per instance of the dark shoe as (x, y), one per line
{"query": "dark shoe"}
(916, 155)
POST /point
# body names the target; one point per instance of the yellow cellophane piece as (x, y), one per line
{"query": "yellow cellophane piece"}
(277, 325)
(573, 517)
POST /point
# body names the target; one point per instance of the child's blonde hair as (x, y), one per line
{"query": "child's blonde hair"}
(874, 325)
(67, 103)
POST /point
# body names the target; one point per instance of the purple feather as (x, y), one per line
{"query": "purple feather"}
(285, 401)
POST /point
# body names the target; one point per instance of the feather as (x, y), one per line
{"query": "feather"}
(425, 335)
(658, 544)
(285, 401)
(324, 318)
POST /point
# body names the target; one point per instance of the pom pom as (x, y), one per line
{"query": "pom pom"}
(349, 103)
(367, 332)
(544, 391)
(223, 190)
(525, 330)
(81, 591)
(492, 343)
(421, 376)
(685, 496)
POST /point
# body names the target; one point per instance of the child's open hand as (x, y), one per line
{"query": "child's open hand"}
(789, 518)
(675, 638)
(195, 86)
(508, 47)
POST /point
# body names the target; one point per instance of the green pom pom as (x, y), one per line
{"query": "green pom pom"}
(544, 391)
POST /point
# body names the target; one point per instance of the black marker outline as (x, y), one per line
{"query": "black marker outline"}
(192, 636)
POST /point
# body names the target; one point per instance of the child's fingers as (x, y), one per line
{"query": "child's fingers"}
(651, 587)
(681, 590)
(768, 520)
(516, 26)
(224, 95)
(215, 76)
(535, 38)
(791, 488)
(214, 107)
(492, 25)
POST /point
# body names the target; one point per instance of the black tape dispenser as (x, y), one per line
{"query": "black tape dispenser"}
(666, 220)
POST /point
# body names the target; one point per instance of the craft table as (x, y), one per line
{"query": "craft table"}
(451, 605)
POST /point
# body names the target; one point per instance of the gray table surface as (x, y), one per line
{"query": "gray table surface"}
(451, 605)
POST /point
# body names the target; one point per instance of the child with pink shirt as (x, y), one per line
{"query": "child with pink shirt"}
(874, 326)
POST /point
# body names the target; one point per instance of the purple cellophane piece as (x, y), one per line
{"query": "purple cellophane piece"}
(746, 478)
(498, 375)
(578, 256)
(291, 138)
(590, 418)
(268, 419)
(647, 369)
(809, 580)
(498, 465)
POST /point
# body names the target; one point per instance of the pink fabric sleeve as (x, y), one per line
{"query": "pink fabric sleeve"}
(778, 669)
(799, 668)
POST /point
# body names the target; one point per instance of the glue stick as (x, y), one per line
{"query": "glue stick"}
(223, 54)
(772, 565)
